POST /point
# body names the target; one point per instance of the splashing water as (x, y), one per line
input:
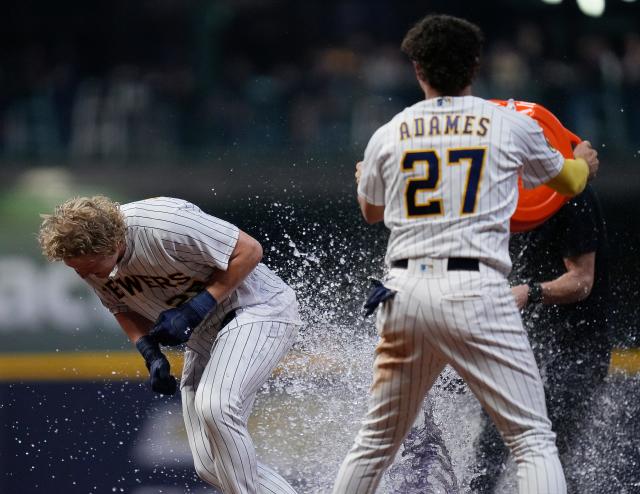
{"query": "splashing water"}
(307, 416)
(64, 437)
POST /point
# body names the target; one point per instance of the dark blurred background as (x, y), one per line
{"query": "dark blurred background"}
(240, 104)
(103, 86)
(257, 111)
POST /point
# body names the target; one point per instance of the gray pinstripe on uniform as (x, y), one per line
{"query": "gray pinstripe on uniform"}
(222, 374)
(173, 247)
(467, 319)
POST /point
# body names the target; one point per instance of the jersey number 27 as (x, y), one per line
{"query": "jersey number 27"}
(474, 157)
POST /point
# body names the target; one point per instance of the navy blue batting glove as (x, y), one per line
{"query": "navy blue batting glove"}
(159, 368)
(378, 293)
(174, 326)
(160, 377)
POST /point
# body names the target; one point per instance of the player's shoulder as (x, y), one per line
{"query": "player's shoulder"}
(158, 204)
(389, 129)
(150, 212)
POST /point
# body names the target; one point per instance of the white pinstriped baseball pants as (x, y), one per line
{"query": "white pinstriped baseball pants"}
(469, 320)
(221, 377)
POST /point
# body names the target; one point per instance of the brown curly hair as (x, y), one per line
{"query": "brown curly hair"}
(446, 50)
(81, 226)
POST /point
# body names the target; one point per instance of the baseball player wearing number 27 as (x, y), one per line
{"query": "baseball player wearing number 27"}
(172, 274)
(442, 174)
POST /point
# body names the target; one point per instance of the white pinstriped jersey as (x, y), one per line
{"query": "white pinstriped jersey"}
(172, 249)
(446, 170)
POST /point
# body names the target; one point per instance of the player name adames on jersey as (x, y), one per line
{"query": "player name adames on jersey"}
(447, 124)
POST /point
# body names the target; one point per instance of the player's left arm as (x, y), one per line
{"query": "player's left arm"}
(569, 288)
(175, 326)
(246, 255)
(545, 165)
(572, 178)
(230, 253)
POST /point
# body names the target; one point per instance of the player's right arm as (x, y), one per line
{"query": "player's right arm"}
(137, 329)
(371, 212)
(371, 189)
(134, 325)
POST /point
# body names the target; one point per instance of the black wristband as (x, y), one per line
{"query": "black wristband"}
(149, 349)
(535, 293)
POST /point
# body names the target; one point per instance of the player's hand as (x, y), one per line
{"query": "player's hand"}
(160, 377)
(159, 368)
(521, 294)
(174, 326)
(358, 171)
(586, 152)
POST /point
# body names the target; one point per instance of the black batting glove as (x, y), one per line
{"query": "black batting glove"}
(174, 326)
(160, 377)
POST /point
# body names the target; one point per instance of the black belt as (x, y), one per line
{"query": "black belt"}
(453, 264)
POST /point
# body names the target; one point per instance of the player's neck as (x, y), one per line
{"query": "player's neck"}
(430, 92)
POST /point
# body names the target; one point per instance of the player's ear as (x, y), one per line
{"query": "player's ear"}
(420, 76)
(419, 72)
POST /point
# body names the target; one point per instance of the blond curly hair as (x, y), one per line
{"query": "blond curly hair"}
(82, 226)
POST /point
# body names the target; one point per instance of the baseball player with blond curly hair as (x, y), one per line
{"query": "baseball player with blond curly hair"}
(442, 174)
(172, 274)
